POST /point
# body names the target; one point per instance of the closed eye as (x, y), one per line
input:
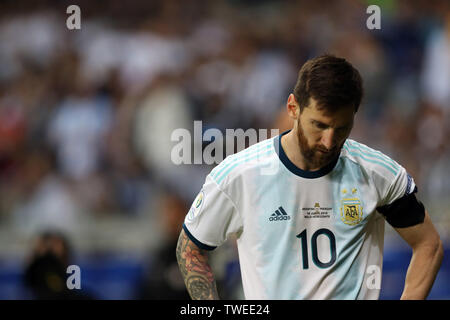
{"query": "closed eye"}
(344, 129)
(319, 124)
(324, 126)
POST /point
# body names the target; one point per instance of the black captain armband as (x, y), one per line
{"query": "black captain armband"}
(405, 212)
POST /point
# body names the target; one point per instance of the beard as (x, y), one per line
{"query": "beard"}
(313, 156)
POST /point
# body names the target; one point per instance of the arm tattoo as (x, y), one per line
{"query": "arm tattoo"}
(196, 271)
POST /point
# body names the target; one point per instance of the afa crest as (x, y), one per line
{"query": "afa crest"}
(351, 211)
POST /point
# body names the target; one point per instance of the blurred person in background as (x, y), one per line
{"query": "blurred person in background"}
(47, 199)
(163, 280)
(77, 132)
(45, 273)
(436, 66)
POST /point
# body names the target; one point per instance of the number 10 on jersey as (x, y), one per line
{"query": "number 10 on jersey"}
(303, 236)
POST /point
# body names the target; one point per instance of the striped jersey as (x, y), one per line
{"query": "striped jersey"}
(301, 234)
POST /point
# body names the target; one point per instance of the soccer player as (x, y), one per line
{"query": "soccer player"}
(309, 206)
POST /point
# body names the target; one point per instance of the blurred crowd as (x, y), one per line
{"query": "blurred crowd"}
(86, 115)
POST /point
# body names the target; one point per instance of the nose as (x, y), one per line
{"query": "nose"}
(328, 139)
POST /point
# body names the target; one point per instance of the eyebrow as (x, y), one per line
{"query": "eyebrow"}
(319, 123)
(327, 126)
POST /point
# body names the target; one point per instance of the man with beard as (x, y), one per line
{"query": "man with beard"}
(313, 227)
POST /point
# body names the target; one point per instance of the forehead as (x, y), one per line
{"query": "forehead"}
(342, 116)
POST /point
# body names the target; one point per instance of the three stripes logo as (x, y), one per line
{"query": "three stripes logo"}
(279, 215)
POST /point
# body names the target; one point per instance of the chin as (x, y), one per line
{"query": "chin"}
(324, 160)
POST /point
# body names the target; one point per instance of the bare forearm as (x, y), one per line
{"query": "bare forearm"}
(422, 271)
(195, 269)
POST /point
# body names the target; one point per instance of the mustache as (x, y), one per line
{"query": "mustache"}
(325, 150)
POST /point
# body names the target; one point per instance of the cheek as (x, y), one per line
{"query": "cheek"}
(314, 135)
(314, 139)
(310, 134)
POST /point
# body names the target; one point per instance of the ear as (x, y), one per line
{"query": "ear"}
(293, 108)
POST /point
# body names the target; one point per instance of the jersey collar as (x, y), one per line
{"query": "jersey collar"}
(296, 170)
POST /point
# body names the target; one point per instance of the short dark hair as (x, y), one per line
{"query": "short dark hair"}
(333, 82)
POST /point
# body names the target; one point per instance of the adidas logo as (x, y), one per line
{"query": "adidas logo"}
(279, 214)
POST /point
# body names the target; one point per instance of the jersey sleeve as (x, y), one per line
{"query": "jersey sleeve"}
(400, 206)
(402, 185)
(212, 217)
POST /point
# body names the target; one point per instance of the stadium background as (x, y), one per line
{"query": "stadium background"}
(86, 117)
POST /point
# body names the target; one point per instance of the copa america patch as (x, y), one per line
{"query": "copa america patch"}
(409, 185)
(197, 205)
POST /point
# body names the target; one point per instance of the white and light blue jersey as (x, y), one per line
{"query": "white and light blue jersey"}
(300, 234)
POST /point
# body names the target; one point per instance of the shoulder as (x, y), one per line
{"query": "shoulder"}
(244, 162)
(370, 160)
